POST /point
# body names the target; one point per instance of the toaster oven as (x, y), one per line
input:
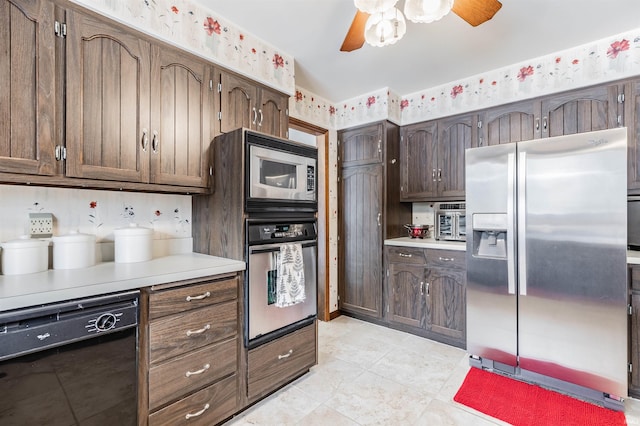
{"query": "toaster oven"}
(450, 221)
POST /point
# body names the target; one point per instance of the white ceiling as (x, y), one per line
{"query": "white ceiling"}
(429, 55)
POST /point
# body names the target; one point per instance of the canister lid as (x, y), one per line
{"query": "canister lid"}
(24, 242)
(74, 237)
(133, 229)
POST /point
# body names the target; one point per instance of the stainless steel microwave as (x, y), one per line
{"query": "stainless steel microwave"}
(451, 221)
(281, 174)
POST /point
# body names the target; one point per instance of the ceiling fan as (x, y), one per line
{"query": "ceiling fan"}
(475, 12)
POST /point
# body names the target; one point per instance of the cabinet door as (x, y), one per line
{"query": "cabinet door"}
(27, 87)
(407, 302)
(238, 98)
(107, 108)
(361, 239)
(418, 162)
(180, 128)
(455, 134)
(272, 113)
(634, 344)
(510, 123)
(447, 298)
(632, 122)
(579, 111)
(359, 146)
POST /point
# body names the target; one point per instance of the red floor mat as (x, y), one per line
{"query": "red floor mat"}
(522, 404)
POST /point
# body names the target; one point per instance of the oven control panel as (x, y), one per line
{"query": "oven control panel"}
(260, 233)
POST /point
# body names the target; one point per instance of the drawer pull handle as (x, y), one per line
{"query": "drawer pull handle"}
(446, 259)
(405, 255)
(287, 355)
(193, 373)
(202, 330)
(197, 413)
(202, 296)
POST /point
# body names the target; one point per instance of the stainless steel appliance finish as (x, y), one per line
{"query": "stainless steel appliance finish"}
(546, 262)
(450, 221)
(264, 320)
(633, 223)
(281, 174)
(70, 363)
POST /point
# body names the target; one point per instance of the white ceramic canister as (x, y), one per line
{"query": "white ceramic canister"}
(25, 256)
(133, 244)
(74, 251)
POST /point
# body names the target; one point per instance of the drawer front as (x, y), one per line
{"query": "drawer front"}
(207, 407)
(275, 363)
(185, 298)
(446, 259)
(409, 255)
(172, 380)
(177, 334)
(635, 277)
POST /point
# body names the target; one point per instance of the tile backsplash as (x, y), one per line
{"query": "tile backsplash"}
(96, 212)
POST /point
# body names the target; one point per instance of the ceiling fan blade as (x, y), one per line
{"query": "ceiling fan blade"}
(475, 12)
(355, 36)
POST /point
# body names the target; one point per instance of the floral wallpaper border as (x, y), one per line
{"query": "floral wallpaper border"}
(609, 59)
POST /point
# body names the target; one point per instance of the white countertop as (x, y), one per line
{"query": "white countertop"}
(20, 291)
(426, 243)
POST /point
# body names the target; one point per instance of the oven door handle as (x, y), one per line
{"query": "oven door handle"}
(270, 248)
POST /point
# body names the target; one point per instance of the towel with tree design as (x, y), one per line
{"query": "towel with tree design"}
(290, 276)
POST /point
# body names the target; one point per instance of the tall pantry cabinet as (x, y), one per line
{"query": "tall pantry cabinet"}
(369, 212)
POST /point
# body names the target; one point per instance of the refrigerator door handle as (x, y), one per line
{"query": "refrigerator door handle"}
(522, 224)
(511, 250)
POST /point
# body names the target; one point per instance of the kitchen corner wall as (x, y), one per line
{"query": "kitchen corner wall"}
(94, 211)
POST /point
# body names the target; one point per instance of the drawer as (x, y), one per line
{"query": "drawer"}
(207, 407)
(185, 298)
(277, 362)
(635, 277)
(181, 375)
(446, 259)
(410, 255)
(177, 334)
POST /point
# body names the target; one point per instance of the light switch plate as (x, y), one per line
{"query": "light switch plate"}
(40, 225)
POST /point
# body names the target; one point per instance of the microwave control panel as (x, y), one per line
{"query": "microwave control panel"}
(311, 178)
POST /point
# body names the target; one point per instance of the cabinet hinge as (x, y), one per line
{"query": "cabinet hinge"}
(210, 170)
(619, 120)
(220, 115)
(630, 368)
(211, 85)
(60, 29)
(387, 271)
(286, 111)
(61, 153)
(630, 309)
(479, 124)
(621, 98)
(219, 87)
(387, 308)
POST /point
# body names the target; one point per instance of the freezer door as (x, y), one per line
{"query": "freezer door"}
(490, 217)
(572, 259)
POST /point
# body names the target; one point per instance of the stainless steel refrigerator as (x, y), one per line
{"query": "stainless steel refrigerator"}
(546, 262)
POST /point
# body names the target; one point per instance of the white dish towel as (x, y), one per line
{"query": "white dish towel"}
(290, 276)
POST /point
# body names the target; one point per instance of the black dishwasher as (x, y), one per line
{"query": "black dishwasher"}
(70, 363)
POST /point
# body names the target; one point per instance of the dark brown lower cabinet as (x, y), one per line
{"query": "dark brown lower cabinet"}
(634, 331)
(426, 293)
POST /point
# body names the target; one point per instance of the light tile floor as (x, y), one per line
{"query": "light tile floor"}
(372, 375)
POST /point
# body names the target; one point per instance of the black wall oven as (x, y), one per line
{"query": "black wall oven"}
(70, 363)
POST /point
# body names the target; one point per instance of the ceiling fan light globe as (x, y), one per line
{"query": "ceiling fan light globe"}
(425, 11)
(385, 28)
(374, 6)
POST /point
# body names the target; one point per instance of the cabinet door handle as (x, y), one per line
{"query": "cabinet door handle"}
(200, 331)
(202, 296)
(261, 117)
(154, 142)
(378, 219)
(544, 124)
(433, 174)
(287, 355)
(422, 288)
(439, 175)
(446, 259)
(197, 413)
(405, 255)
(145, 140)
(255, 116)
(202, 370)
(427, 289)
(538, 124)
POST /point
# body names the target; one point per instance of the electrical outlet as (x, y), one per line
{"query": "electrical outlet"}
(40, 225)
